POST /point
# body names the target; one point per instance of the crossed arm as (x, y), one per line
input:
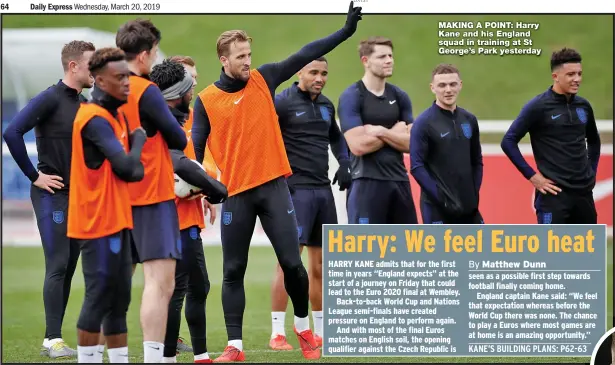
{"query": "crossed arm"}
(397, 137)
(359, 141)
(365, 138)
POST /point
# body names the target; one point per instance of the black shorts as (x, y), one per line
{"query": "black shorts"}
(432, 215)
(313, 208)
(381, 202)
(156, 232)
(567, 207)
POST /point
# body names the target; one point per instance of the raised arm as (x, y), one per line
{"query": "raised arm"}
(477, 156)
(279, 72)
(36, 112)
(200, 129)
(419, 150)
(127, 166)
(517, 130)
(593, 141)
(359, 142)
(154, 109)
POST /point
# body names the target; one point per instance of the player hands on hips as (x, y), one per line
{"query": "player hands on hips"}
(307, 122)
(100, 216)
(445, 155)
(375, 117)
(565, 144)
(242, 100)
(52, 112)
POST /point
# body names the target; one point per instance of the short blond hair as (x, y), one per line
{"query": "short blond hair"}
(223, 45)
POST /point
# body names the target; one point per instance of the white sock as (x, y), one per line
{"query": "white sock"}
(46, 343)
(203, 356)
(152, 351)
(238, 344)
(118, 355)
(101, 349)
(302, 324)
(54, 341)
(169, 360)
(317, 318)
(277, 323)
(88, 354)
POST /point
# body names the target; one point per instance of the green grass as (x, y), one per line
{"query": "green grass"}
(494, 87)
(23, 317)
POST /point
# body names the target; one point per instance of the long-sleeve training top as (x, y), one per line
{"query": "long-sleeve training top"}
(308, 128)
(51, 114)
(273, 73)
(559, 128)
(446, 158)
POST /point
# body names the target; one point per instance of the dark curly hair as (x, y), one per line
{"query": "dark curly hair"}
(564, 55)
(167, 74)
(103, 56)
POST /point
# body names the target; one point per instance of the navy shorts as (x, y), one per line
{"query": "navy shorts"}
(432, 215)
(313, 208)
(381, 202)
(156, 232)
(567, 207)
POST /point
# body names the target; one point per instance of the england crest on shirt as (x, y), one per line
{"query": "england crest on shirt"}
(467, 130)
(582, 115)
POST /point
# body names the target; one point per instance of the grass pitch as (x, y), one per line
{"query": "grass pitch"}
(23, 321)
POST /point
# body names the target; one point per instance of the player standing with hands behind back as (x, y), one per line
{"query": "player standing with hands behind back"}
(559, 123)
(236, 116)
(445, 155)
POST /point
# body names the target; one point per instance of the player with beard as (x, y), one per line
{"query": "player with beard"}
(307, 121)
(375, 117)
(51, 113)
(236, 116)
(208, 160)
